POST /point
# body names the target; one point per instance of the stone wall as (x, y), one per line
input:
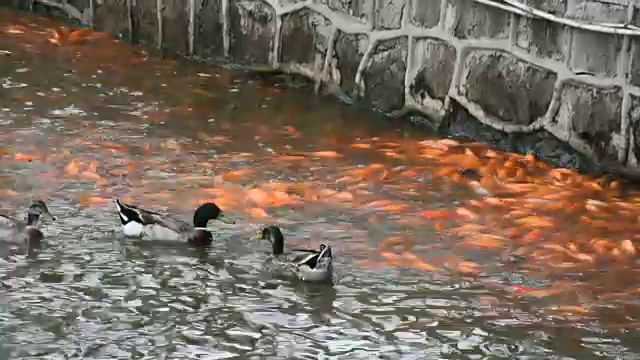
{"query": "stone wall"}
(519, 66)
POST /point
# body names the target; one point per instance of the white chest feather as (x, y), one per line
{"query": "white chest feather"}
(132, 229)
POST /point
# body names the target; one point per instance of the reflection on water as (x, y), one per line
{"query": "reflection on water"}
(442, 249)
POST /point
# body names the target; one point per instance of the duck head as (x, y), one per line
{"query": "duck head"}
(272, 234)
(38, 210)
(210, 211)
(201, 237)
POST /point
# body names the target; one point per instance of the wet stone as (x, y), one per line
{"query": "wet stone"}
(593, 115)
(145, 21)
(470, 20)
(348, 52)
(112, 17)
(208, 30)
(252, 32)
(81, 5)
(305, 38)
(544, 145)
(289, 2)
(542, 38)
(510, 89)
(388, 14)
(595, 53)
(634, 73)
(176, 26)
(426, 13)
(634, 121)
(360, 9)
(384, 77)
(436, 59)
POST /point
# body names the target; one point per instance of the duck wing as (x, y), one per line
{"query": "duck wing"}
(166, 221)
(147, 217)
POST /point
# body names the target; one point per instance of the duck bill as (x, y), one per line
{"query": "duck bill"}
(226, 219)
(47, 216)
(257, 236)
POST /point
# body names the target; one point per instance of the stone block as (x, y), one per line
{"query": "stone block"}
(305, 39)
(289, 2)
(634, 131)
(436, 62)
(592, 115)
(208, 42)
(359, 9)
(425, 13)
(470, 20)
(557, 7)
(252, 32)
(596, 11)
(388, 14)
(175, 29)
(84, 7)
(112, 17)
(510, 89)
(543, 38)
(595, 53)
(348, 52)
(634, 64)
(384, 76)
(145, 19)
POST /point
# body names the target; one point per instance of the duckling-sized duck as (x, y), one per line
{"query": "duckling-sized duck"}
(14, 230)
(307, 265)
(150, 225)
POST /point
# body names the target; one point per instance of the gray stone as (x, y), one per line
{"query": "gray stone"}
(425, 13)
(289, 2)
(348, 52)
(208, 41)
(81, 5)
(436, 60)
(593, 115)
(471, 20)
(176, 26)
(596, 11)
(359, 9)
(252, 32)
(557, 7)
(506, 87)
(304, 40)
(543, 38)
(388, 14)
(634, 66)
(384, 77)
(112, 17)
(595, 53)
(634, 123)
(145, 19)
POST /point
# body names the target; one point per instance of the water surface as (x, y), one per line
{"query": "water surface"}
(442, 249)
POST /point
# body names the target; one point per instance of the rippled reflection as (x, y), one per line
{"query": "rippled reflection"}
(443, 249)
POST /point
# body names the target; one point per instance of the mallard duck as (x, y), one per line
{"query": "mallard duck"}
(14, 230)
(150, 225)
(307, 265)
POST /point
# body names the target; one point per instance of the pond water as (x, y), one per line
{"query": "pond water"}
(442, 249)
